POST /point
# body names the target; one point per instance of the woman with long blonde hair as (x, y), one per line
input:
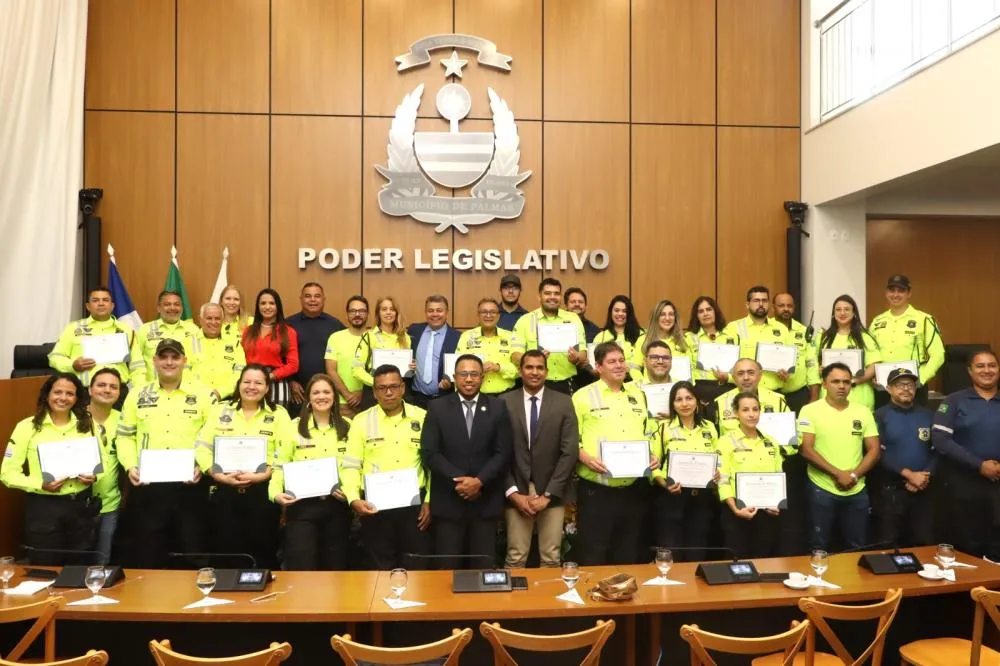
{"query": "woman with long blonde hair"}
(389, 332)
(664, 324)
(234, 316)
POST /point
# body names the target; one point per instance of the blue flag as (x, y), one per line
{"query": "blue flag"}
(124, 309)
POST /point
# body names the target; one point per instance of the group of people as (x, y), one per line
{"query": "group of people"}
(513, 433)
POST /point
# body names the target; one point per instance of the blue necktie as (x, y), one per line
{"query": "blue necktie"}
(533, 425)
(428, 361)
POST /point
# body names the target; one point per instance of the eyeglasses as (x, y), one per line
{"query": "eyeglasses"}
(389, 388)
(488, 313)
(472, 374)
(905, 385)
(357, 312)
(659, 358)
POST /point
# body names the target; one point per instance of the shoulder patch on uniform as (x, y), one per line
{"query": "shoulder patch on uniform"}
(857, 424)
(924, 434)
(911, 324)
(943, 408)
(727, 413)
(415, 426)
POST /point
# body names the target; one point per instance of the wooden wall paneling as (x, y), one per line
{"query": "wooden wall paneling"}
(131, 156)
(130, 55)
(517, 235)
(758, 170)
(759, 55)
(920, 249)
(586, 48)
(222, 55)
(391, 26)
(316, 56)
(673, 216)
(515, 26)
(18, 397)
(587, 205)
(315, 202)
(673, 61)
(222, 200)
(409, 287)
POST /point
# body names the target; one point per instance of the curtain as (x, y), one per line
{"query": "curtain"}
(42, 54)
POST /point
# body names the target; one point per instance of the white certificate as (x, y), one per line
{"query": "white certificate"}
(69, 458)
(777, 357)
(779, 426)
(311, 478)
(393, 490)
(626, 460)
(852, 358)
(451, 359)
(712, 356)
(591, 359)
(401, 358)
(240, 454)
(166, 465)
(882, 370)
(763, 490)
(110, 348)
(657, 398)
(692, 470)
(557, 337)
(680, 369)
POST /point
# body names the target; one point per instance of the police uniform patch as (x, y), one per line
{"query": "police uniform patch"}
(777, 333)
(798, 336)
(727, 413)
(190, 411)
(768, 409)
(229, 348)
(415, 426)
(269, 418)
(943, 408)
(225, 418)
(857, 424)
(268, 433)
(342, 449)
(632, 401)
(911, 324)
(191, 400)
(706, 435)
(924, 434)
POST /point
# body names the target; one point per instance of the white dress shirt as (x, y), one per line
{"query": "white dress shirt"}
(527, 422)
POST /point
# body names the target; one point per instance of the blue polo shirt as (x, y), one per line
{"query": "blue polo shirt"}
(967, 428)
(905, 435)
(508, 319)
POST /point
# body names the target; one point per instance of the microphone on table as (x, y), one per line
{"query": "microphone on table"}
(721, 572)
(490, 579)
(209, 557)
(71, 575)
(886, 563)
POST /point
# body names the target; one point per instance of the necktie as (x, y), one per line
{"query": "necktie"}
(427, 373)
(533, 423)
(470, 413)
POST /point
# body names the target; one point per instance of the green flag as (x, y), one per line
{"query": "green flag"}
(176, 283)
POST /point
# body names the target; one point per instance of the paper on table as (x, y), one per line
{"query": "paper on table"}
(661, 581)
(401, 358)
(166, 465)
(948, 574)
(396, 604)
(240, 454)
(557, 337)
(657, 398)
(28, 587)
(99, 600)
(571, 596)
(962, 565)
(819, 582)
(206, 602)
(311, 478)
(69, 458)
(680, 369)
(393, 490)
(111, 348)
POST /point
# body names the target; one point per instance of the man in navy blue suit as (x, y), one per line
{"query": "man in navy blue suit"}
(466, 444)
(430, 342)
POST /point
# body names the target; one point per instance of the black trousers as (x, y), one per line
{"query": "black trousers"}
(389, 535)
(60, 522)
(797, 399)
(685, 520)
(165, 517)
(904, 519)
(244, 520)
(707, 390)
(564, 386)
(608, 524)
(470, 536)
(795, 520)
(973, 510)
(757, 537)
(316, 534)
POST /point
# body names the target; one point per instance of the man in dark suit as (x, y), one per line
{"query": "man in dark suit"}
(430, 341)
(466, 445)
(546, 447)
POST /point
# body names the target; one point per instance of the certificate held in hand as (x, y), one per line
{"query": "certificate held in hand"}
(761, 490)
(680, 369)
(626, 460)
(111, 348)
(692, 470)
(780, 426)
(774, 358)
(557, 337)
(852, 358)
(240, 454)
(712, 356)
(166, 465)
(393, 490)
(401, 358)
(69, 458)
(311, 478)
(657, 398)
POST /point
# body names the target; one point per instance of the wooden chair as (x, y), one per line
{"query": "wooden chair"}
(450, 647)
(953, 651)
(789, 643)
(500, 639)
(165, 656)
(44, 614)
(818, 612)
(92, 658)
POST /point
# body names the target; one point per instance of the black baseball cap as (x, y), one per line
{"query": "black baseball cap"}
(901, 373)
(510, 278)
(169, 344)
(900, 281)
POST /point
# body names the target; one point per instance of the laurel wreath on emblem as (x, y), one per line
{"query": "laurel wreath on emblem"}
(505, 163)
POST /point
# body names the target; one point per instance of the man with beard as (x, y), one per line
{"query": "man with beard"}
(562, 363)
(340, 350)
(575, 300)
(747, 375)
(510, 307)
(796, 390)
(757, 328)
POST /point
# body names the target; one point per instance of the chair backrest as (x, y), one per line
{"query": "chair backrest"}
(819, 612)
(986, 604)
(43, 613)
(165, 656)
(500, 639)
(92, 658)
(450, 647)
(789, 643)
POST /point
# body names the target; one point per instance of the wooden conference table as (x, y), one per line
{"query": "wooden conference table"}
(357, 596)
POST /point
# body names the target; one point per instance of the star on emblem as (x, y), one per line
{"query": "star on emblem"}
(453, 65)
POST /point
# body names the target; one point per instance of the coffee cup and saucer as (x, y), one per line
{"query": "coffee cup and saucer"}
(931, 572)
(797, 581)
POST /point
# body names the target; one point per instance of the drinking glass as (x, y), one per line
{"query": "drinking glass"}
(664, 560)
(397, 582)
(205, 580)
(945, 554)
(570, 574)
(820, 562)
(94, 579)
(6, 570)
